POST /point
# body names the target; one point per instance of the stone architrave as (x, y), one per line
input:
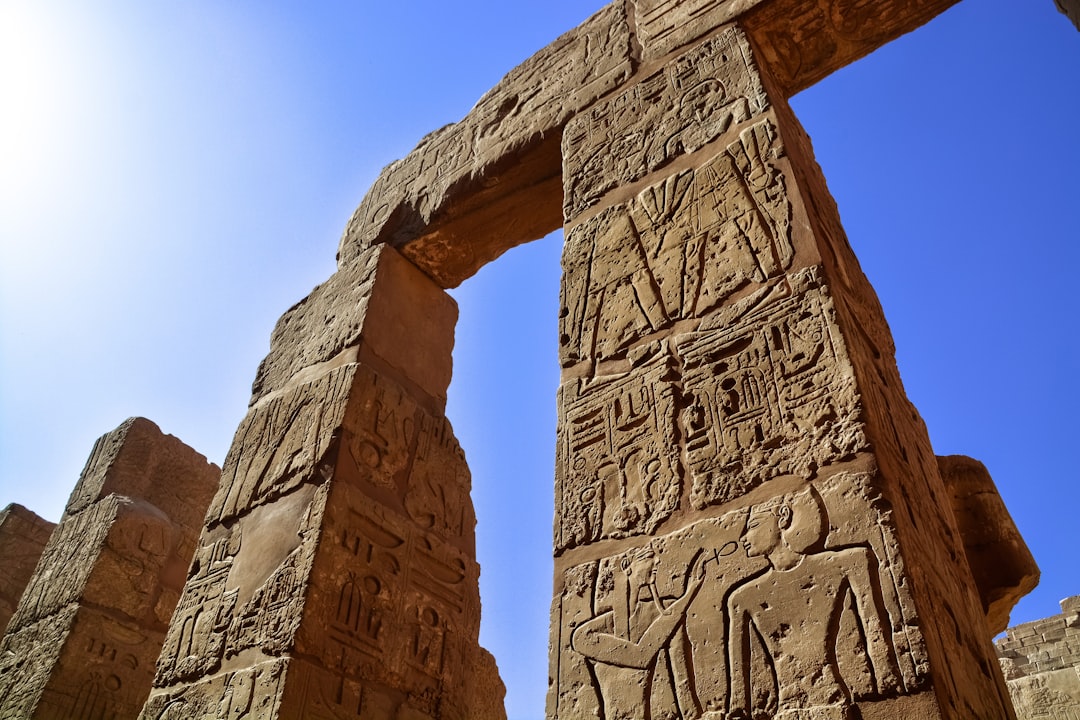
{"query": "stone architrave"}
(23, 536)
(336, 574)
(1041, 662)
(90, 623)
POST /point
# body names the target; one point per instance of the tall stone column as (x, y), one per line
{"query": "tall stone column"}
(750, 520)
(90, 623)
(336, 573)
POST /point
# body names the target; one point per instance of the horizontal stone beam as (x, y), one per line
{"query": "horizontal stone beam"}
(472, 190)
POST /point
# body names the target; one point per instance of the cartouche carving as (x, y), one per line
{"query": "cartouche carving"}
(772, 393)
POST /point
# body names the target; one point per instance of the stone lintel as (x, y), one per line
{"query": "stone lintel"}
(804, 41)
(1001, 563)
(478, 187)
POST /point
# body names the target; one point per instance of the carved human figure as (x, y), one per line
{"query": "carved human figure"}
(793, 609)
(639, 647)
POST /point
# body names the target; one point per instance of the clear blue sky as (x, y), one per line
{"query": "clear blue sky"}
(173, 177)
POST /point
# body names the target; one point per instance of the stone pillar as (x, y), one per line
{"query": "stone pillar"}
(22, 540)
(750, 521)
(336, 573)
(83, 640)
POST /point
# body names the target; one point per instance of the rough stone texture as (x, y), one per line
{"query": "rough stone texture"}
(23, 536)
(1003, 567)
(336, 574)
(82, 642)
(1070, 8)
(1041, 662)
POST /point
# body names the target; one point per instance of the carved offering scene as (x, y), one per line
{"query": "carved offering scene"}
(790, 607)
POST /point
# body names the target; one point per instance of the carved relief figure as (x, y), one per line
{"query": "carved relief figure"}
(677, 250)
(792, 611)
(638, 645)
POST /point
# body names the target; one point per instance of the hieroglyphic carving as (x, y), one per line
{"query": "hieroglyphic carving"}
(771, 393)
(27, 655)
(249, 693)
(664, 25)
(282, 444)
(394, 607)
(678, 110)
(408, 456)
(744, 615)
(678, 249)
(617, 467)
(222, 613)
(195, 642)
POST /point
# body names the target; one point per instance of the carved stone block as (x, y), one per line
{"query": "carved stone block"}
(617, 471)
(91, 621)
(1000, 561)
(359, 559)
(771, 392)
(673, 111)
(23, 536)
(380, 306)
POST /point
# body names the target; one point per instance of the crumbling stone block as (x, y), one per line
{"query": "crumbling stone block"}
(22, 540)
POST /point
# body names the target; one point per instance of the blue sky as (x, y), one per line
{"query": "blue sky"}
(172, 178)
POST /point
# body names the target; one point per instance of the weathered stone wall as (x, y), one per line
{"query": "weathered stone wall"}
(90, 623)
(1041, 662)
(22, 540)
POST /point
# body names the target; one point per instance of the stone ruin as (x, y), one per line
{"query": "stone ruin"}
(750, 519)
(1041, 661)
(84, 639)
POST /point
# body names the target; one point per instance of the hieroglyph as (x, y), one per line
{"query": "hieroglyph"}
(768, 391)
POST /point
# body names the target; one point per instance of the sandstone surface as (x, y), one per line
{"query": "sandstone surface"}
(22, 540)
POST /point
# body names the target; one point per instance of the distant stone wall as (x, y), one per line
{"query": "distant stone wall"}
(1041, 662)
